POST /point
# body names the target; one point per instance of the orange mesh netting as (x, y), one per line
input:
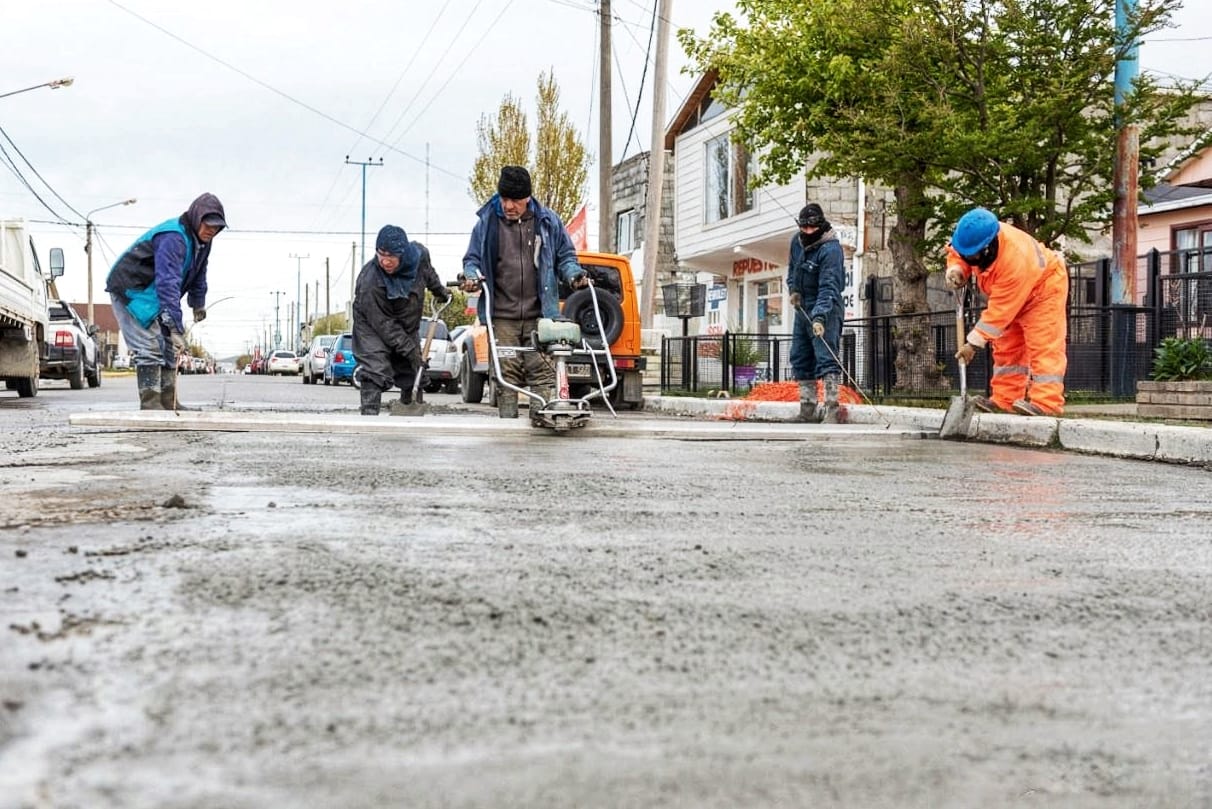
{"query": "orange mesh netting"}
(790, 392)
(781, 392)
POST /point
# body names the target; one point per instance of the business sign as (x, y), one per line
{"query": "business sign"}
(749, 266)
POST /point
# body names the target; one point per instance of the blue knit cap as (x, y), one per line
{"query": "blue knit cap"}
(392, 239)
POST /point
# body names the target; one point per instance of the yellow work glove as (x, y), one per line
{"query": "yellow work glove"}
(955, 277)
(966, 353)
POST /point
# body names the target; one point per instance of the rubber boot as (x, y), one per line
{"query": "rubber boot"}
(548, 394)
(507, 404)
(168, 390)
(372, 399)
(148, 379)
(807, 412)
(829, 406)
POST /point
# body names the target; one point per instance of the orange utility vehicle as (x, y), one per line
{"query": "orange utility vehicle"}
(620, 311)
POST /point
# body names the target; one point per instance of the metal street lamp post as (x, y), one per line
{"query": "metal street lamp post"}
(54, 85)
(88, 247)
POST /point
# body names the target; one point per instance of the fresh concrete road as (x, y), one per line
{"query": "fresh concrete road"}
(436, 619)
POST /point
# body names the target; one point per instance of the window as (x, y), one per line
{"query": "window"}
(624, 231)
(1190, 299)
(728, 168)
(769, 305)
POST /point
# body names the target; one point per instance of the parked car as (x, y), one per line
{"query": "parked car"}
(121, 362)
(340, 364)
(283, 362)
(71, 352)
(316, 358)
(443, 359)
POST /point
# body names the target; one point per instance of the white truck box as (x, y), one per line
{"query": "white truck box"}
(23, 311)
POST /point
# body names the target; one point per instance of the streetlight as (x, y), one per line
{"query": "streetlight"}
(298, 292)
(88, 243)
(54, 85)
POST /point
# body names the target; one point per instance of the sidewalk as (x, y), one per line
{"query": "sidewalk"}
(1117, 436)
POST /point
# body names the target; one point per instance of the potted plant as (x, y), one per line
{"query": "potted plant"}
(1181, 387)
(744, 354)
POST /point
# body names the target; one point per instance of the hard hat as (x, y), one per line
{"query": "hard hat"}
(974, 231)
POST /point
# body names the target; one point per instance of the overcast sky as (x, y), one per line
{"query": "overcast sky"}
(265, 117)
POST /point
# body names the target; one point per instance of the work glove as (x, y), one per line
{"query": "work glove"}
(955, 277)
(581, 281)
(199, 314)
(966, 353)
(818, 328)
(469, 284)
(179, 346)
(448, 296)
(795, 299)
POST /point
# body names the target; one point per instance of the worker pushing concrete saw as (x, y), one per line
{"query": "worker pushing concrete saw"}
(518, 253)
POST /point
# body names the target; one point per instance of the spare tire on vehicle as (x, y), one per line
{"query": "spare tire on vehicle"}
(579, 307)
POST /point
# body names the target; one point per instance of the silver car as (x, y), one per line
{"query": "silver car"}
(443, 363)
(316, 358)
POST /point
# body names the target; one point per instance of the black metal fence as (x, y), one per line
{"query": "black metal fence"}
(1110, 346)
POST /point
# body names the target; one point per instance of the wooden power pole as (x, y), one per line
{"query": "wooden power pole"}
(656, 168)
(605, 136)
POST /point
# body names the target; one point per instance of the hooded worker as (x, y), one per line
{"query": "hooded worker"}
(1026, 285)
(816, 274)
(384, 342)
(146, 285)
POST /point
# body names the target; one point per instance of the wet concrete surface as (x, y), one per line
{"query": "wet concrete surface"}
(250, 620)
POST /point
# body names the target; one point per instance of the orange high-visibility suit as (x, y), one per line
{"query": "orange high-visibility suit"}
(1027, 286)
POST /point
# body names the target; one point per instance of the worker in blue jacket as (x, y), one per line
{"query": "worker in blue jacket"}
(146, 285)
(816, 275)
(517, 248)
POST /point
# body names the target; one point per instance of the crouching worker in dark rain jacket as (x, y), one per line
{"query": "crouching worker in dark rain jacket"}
(384, 335)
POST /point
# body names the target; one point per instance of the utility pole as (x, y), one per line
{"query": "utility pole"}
(1125, 179)
(353, 276)
(370, 161)
(605, 135)
(89, 227)
(298, 290)
(656, 168)
(327, 291)
(277, 322)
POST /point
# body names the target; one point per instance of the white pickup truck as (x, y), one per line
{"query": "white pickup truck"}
(23, 310)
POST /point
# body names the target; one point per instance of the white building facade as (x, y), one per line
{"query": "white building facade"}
(737, 236)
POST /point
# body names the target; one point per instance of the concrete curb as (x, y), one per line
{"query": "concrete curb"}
(1121, 439)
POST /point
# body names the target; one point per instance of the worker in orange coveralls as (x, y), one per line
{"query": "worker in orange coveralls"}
(1027, 285)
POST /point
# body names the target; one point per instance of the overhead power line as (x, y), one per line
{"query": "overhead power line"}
(276, 91)
(255, 231)
(41, 179)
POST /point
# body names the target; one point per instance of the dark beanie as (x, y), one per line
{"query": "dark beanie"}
(392, 239)
(514, 183)
(811, 216)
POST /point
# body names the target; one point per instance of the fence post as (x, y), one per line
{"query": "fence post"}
(1154, 299)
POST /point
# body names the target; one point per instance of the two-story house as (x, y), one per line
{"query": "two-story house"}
(738, 235)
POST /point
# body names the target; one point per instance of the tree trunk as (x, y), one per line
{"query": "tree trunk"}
(916, 366)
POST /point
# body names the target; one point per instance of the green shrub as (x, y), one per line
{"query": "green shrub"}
(1180, 358)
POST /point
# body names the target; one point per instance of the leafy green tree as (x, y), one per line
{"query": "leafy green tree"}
(332, 324)
(559, 166)
(950, 103)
